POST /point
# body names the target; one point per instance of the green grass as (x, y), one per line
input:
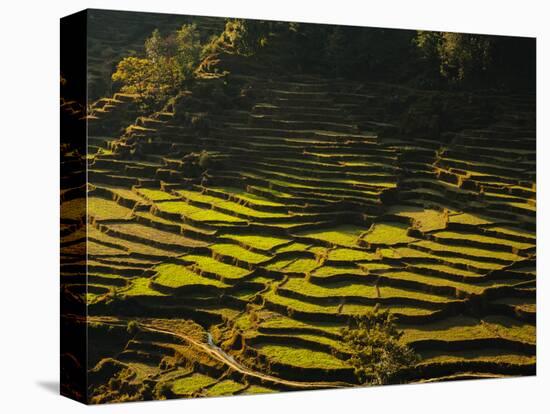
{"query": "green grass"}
(435, 281)
(129, 194)
(486, 355)
(337, 270)
(155, 195)
(450, 235)
(211, 265)
(272, 191)
(228, 205)
(102, 209)
(293, 247)
(388, 234)
(505, 230)
(141, 287)
(342, 289)
(347, 309)
(460, 328)
(274, 320)
(191, 384)
(447, 269)
(256, 389)
(225, 387)
(247, 211)
(135, 248)
(279, 264)
(476, 253)
(350, 255)
(300, 266)
(466, 218)
(425, 219)
(151, 233)
(300, 357)
(175, 276)
(243, 195)
(195, 213)
(258, 242)
(238, 253)
(345, 236)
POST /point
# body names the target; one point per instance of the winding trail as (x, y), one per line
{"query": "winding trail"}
(217, 353)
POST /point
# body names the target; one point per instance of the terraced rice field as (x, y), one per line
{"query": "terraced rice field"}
(241, 279)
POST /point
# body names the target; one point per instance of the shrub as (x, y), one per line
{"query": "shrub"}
(204, 160)
(377, 353)
(132, 327)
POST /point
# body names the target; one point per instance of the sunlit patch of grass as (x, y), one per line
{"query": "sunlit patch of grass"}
(258, 242)
(498, 356)
(388, 234)
(211, 265)
(448, 269)
(283, 322)
(175, 276)
(435, 281)
(191, 384)
(461, 328)
(238, 208)
(350, 255)
(243, 195)
(195, 213)
(276, 193)
(511, 328)
(141, 287)
(425, 219)
(300, 357)
(467, 218)
(345, 236)
(101, 209)
(476, 253)
(343, 289)
(301, 266)
(155, 195)
(226, 387)
(373, 266)
(346, 309)
(227, 205)
(256, 389)
(238, 253)
(279, 264)
(337, 270)
(513, 231)
(293, 247)
(152, 233)
(450, 235)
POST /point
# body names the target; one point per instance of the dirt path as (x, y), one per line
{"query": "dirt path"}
(217, 353)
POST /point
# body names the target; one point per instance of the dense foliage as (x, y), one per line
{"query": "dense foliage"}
(432, 60)
(167, 64)
(377, 352)
(462, 59)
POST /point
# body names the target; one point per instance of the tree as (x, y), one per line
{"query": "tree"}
(377, 352)
(168, 63)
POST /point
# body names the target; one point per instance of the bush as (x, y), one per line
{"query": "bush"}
(377, 353)
(204, 160)
(133, 327)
